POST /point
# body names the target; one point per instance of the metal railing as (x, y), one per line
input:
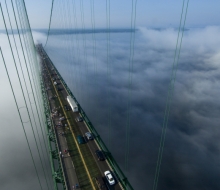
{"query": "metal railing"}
(58, 175)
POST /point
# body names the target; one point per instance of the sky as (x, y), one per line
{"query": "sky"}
(191, 153)
(157, 13)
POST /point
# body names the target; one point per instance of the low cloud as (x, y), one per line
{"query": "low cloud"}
(191, 151)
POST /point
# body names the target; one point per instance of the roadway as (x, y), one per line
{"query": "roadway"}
(92, 145)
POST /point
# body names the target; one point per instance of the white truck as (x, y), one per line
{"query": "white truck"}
(72, 103)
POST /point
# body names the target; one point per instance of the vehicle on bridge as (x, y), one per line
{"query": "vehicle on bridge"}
(100, 155)
(67, 108)
(109, 177)
(72, 103)
(79, 119)
(80, 139)
(58, 88)
(89, 135)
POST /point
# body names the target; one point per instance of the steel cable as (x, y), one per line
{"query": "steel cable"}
(170, 94)
(48, 32)
(131, 62)
(21, 90)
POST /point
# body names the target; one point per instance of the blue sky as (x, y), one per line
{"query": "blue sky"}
(159, 13)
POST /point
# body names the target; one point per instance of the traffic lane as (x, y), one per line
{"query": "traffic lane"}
(103, 166)
(93, 147)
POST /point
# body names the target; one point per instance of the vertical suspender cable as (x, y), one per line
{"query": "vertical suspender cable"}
(28, 72)
(78, 50)
(51, 14)
(131, 61)
(71, 45)
(30, 151)
(21, 89)
(31, 41)
(94, 44)
(108, 68)
(170, 94)
(84, 48)
(30, 55)
(28, 59)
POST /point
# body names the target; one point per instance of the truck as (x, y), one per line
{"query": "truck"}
(72, 103)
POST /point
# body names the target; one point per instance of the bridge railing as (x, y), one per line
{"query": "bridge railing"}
(59, 175)
(118, 172)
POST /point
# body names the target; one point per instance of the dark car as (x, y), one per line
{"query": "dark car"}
(100, 155)
(100, 183)
(59, 89)
(80, 139)
(67, 108)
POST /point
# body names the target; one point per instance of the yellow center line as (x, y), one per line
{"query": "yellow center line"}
(87, 171)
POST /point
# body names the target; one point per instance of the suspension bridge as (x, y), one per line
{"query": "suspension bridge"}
(83, 164)
(79, 157)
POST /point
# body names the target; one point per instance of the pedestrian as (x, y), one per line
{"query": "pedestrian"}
(73, 187)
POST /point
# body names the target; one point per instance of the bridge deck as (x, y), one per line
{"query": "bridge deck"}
(80, 163)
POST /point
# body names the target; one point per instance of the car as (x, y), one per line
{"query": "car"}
(67, 108)
(59, 89)
(109, 177)
(89, 135)
(100, 183)
(79, 119)
(100, 155)
(80, 139)
(61, 118)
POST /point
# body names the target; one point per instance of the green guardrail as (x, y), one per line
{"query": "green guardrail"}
(118, 172)
(58, 175)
